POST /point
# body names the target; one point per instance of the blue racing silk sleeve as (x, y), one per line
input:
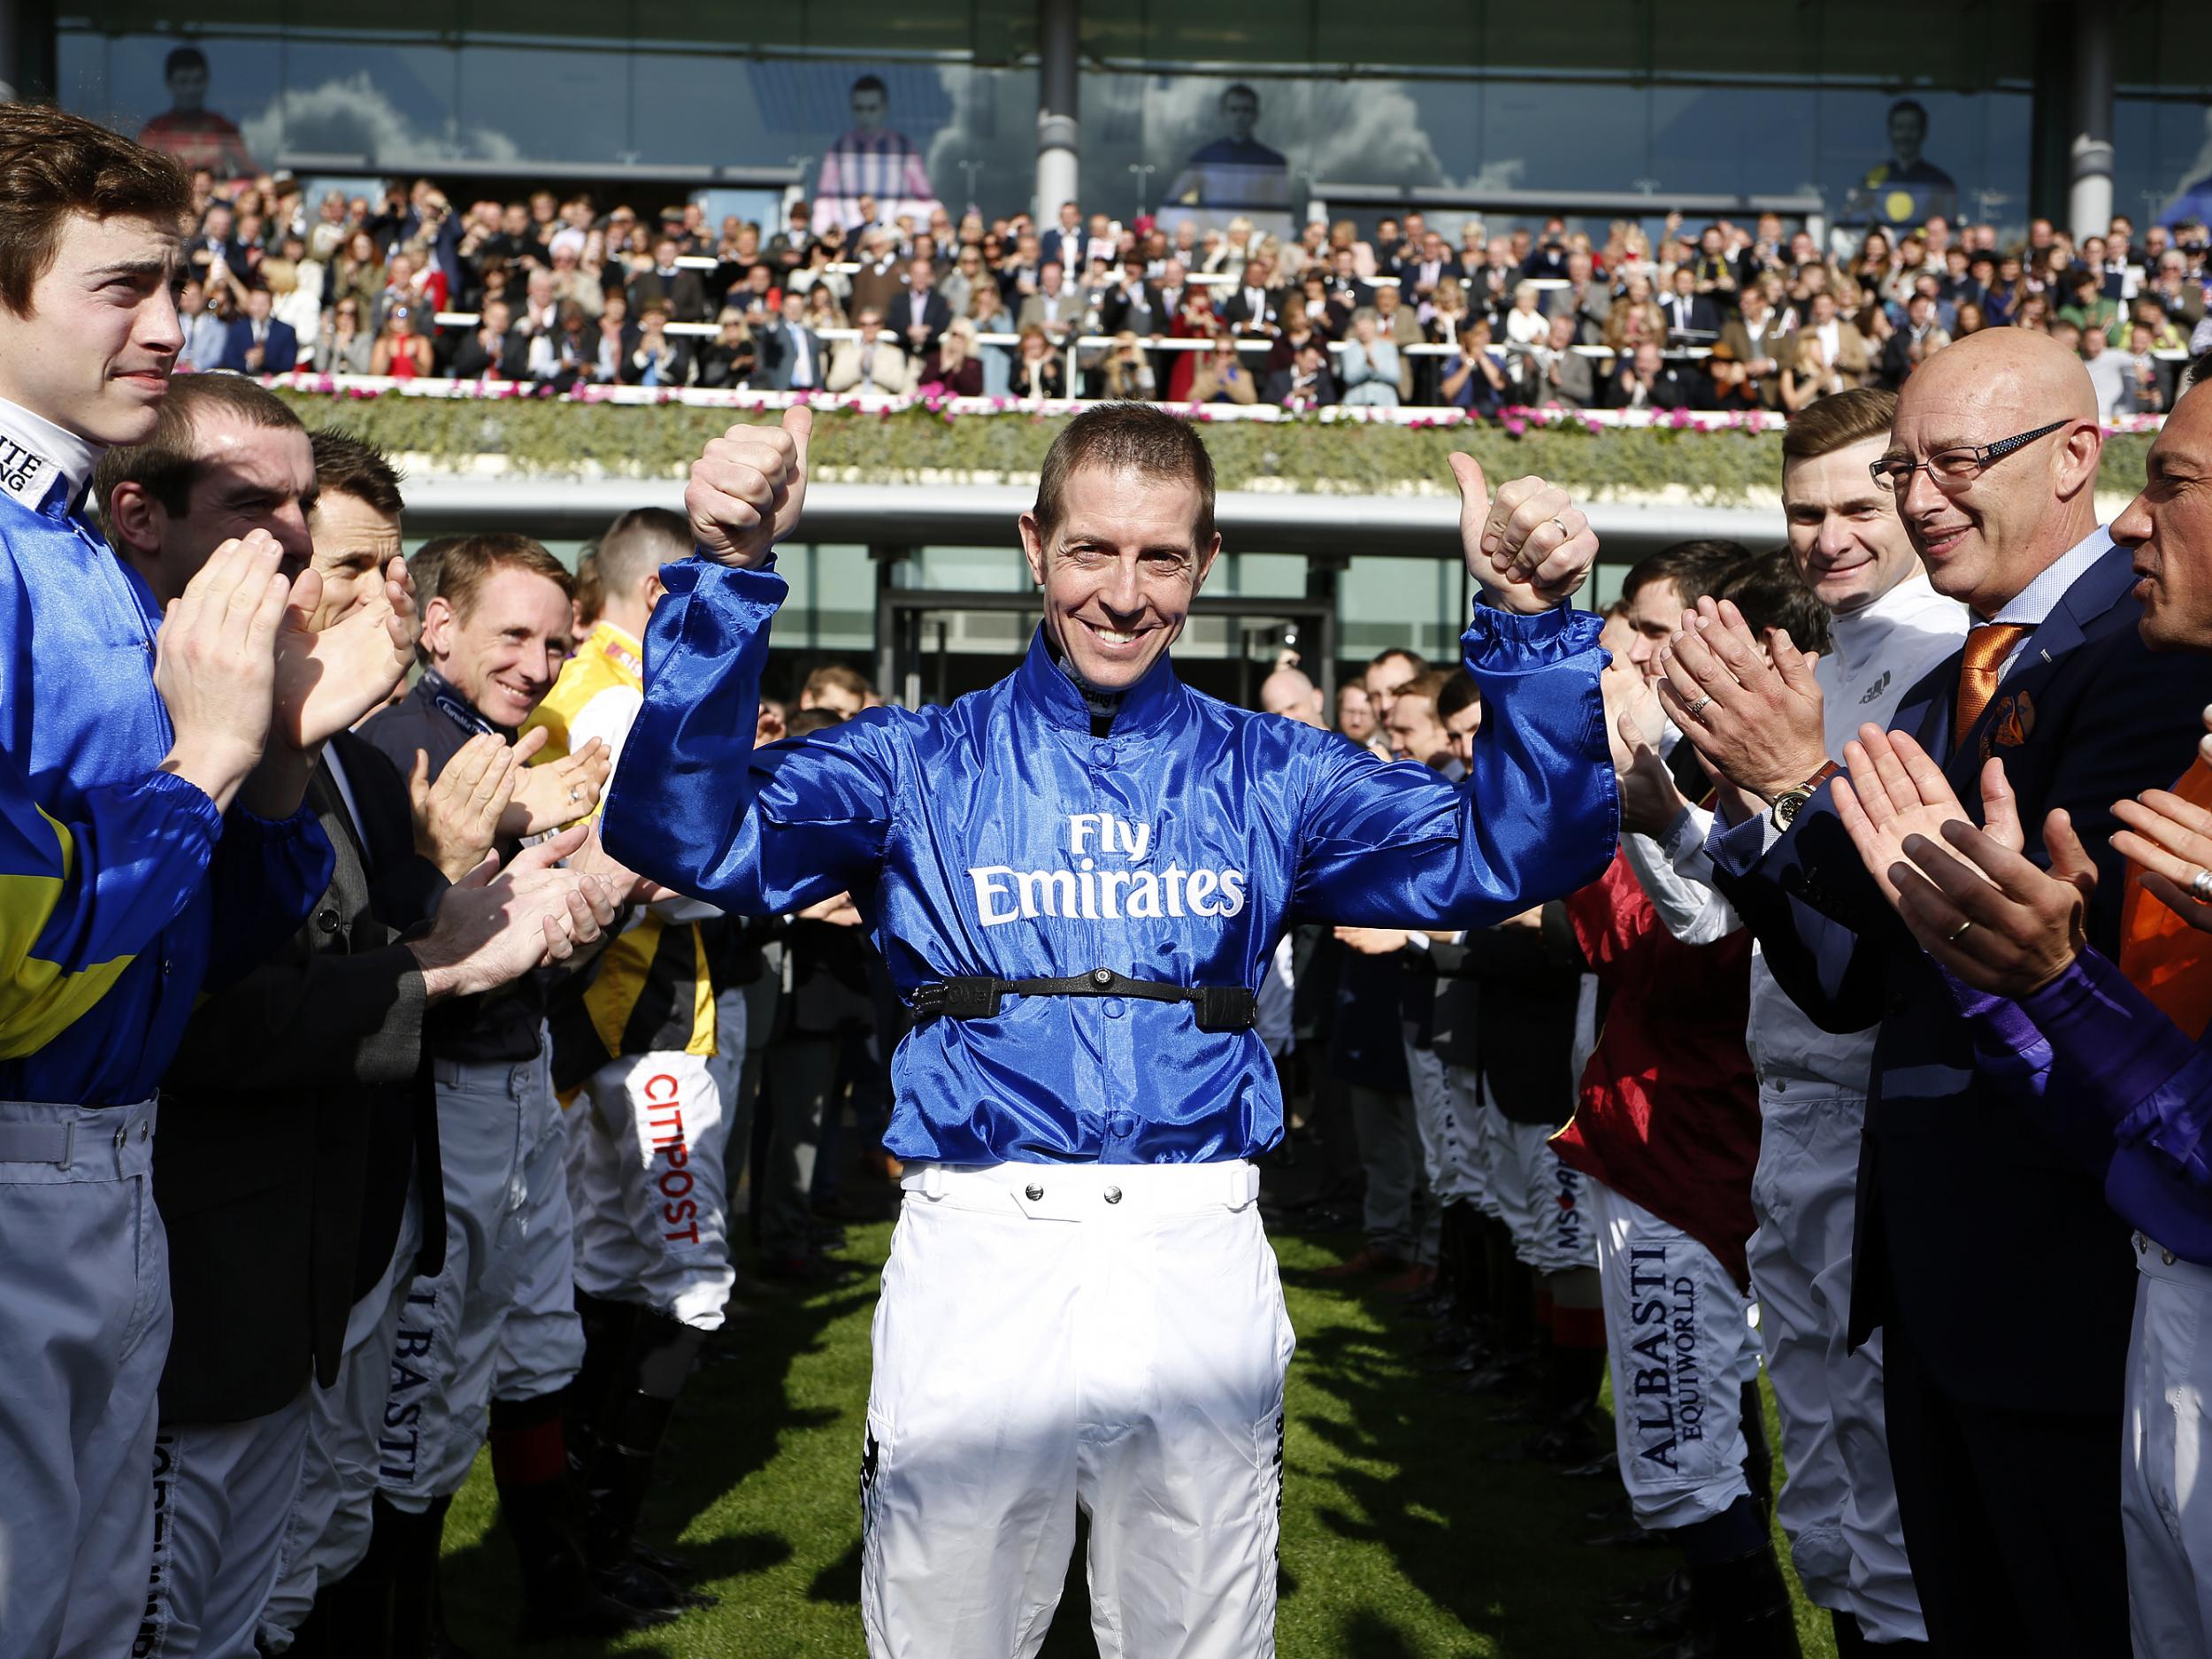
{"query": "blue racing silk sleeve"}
(1539, 815)
(81, 900)
(694, 805)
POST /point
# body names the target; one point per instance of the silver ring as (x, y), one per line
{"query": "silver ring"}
(2201, 887)
(575, 792)
(1958, 933)
(1696, 710)
(1565, 534)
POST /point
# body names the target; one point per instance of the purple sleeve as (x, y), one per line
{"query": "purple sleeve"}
(2007, 1045)
(2117, 1057)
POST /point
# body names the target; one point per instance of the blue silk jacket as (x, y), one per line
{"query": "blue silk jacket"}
(1000, 836)
(113, 872)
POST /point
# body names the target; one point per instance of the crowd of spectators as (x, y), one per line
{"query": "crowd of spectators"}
(1725, 316)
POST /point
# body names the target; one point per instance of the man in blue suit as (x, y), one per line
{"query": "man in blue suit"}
(257, 343)
(788, 353)
(1985, 1251)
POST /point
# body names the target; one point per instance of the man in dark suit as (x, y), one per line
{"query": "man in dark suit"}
(1135, 304)
(683, 289)
(1693, 319)
(494, 348)
(1066, 244)
(257, 343)
(1251, 307)
(1436, 262)
(2002, 1386)
(919, 315)
(788, 353)
(1343, 285)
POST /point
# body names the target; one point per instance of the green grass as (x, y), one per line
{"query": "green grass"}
(1400, 1540)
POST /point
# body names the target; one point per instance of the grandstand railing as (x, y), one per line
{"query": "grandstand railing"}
(876, 404)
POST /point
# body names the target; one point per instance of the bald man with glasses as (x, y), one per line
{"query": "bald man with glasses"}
(1986, 1253)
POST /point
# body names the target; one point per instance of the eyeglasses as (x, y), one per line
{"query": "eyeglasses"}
(1950, 470)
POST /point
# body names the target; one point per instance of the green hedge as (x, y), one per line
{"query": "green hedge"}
(552, 439)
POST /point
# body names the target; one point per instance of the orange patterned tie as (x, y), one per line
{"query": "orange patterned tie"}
(1986, 647)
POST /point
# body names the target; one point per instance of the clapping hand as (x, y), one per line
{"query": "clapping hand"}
(1972, 898)
(1896, 792)
(1755, 714)
(2172, 840)
(558, 793)
(456, 818)
(328, 678)
(1530, 546)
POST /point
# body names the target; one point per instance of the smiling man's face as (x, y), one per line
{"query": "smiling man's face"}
(505, 654)
(1845, 539)
(1119, 571)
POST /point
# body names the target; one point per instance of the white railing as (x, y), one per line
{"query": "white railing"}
(871, 403)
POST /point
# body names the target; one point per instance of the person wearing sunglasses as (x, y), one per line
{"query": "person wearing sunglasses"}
(2000, 1281)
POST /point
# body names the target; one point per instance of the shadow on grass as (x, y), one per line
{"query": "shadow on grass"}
(733, 1418)
(1405, 1466)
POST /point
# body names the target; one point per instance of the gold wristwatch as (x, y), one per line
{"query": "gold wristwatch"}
(1791, 800)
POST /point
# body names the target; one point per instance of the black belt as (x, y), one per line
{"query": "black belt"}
(975, 995)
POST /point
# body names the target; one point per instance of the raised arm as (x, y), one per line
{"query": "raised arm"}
(1538, 814)
(693, 806)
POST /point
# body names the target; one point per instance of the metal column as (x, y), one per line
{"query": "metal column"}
(2089, 160)
(1058, 34)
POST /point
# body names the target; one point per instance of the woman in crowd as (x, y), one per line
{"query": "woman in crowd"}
(2007, 293)
(1129, 369)
(1476, 382)
(987, 313)
(1299, 332)
(1524, 323)
(1808, 376)
(1344, 234)
(727, 364)
(1227, 257)
(1447, 312)
(1221, 376)
(1629, 324)
(400, 351)
(1195, 321)
(344, 346)
(1971, 320)
(822, 310)
(1037, 369)
(359, 270)
(1872, 270)
(954, 370)
(295, 290)
(1315, 307)
(1367, 366)
(2033, 312)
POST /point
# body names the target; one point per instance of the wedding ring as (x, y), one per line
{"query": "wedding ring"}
(2201, 887)
(575, 792)
(1564, 534)
(1958, 933)
(1696, 710)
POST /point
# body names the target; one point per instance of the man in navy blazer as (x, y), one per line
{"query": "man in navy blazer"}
(1066, 244)
(1986, 1254)
(788, 353)
(257, 343)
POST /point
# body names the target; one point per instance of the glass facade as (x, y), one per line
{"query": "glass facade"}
(919, 104)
